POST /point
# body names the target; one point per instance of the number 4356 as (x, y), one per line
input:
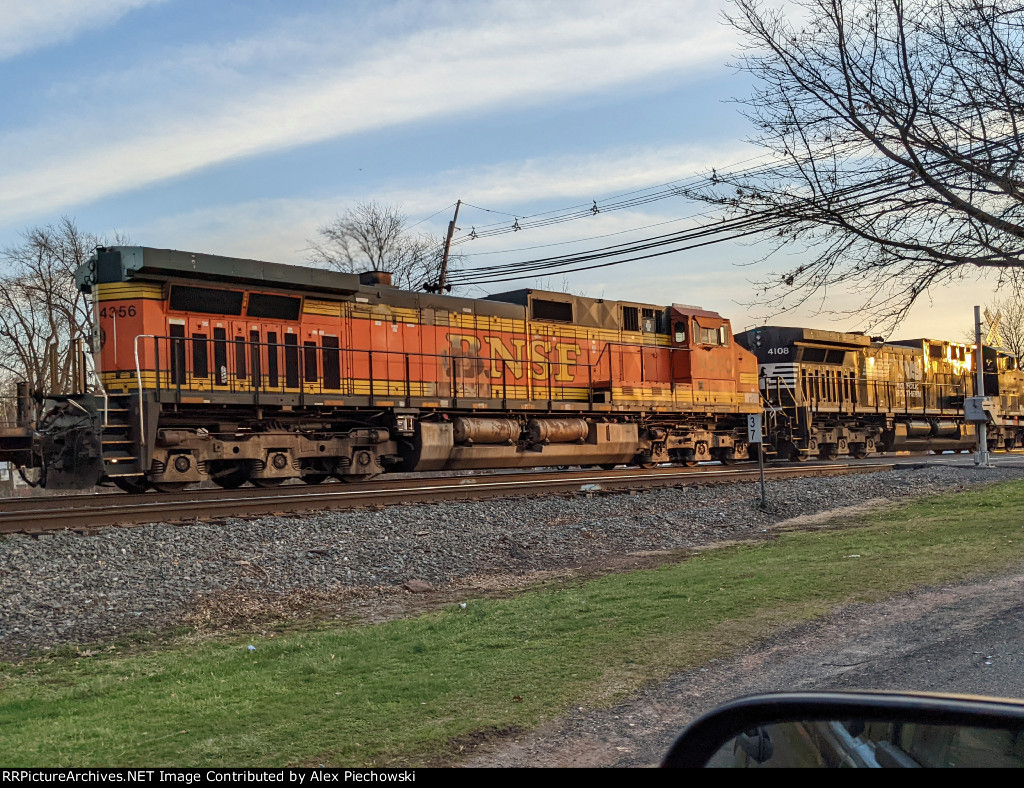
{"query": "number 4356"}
(117, 311)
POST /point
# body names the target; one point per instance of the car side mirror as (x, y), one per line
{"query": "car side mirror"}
(854, 729)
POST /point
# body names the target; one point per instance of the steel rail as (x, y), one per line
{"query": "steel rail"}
(102, 510)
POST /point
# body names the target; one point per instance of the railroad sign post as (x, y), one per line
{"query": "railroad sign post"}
(754, 436)
(981, 456)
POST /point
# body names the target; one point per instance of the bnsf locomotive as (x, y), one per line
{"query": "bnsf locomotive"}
(233, 371)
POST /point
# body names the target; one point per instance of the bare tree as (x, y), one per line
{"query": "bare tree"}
(895, 134)
(42, 314)
(372, 236)
(1009, 333)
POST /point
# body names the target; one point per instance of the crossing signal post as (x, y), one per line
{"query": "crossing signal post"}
(754, 436)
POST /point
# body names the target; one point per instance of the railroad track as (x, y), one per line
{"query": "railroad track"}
(86, 513)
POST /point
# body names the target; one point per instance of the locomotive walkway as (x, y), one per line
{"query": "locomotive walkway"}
(87, 512)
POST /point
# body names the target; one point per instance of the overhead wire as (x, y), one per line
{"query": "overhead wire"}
(724, 229)
(435, 213)
(889, 185)
(582, 210)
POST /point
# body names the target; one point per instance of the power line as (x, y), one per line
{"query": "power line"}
(421, 221)
(583, 210)
(865, 194)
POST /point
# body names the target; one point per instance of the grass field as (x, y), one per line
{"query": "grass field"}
(398, 693)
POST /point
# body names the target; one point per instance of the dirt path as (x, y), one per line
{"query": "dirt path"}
(966, 638)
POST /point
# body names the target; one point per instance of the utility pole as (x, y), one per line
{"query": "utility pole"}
(439, 288)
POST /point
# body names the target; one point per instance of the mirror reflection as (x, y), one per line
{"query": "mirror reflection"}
(864, 744)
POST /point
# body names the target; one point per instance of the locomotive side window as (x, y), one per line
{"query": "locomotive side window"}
(220, 356)
(723, 335)
(332, 363)
(273, 306)
(206, 300)
(200, 363)
(240, 372)
(309, 362)
(257, 369)
(177, 353)
(291, 361)
(680, 332)
(272, 359)
(709, 336)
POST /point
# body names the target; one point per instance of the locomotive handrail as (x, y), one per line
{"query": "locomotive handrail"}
(229, 374)
(138, 377)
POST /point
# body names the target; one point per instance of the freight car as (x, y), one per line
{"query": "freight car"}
(828, 393)
(232, 371)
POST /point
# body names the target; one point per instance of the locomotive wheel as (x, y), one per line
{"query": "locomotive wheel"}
(828, 452)
(268, 482)
(690, 463)
(169, 487)
(315, 478)
(798, 456)
(647, 465)
(134, 485)
(232, 481)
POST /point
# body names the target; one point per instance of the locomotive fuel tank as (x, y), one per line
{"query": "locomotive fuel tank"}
(557, 430)
(435, 449)
(469, 430)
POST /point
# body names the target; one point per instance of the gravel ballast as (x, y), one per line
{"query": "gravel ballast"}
(68, 589)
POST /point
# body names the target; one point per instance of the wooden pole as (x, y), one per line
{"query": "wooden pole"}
(447, 248)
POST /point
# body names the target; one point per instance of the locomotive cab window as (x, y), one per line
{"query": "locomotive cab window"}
(707, 336)
(680, 332)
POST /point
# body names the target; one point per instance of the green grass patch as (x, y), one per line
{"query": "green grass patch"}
(399, 692)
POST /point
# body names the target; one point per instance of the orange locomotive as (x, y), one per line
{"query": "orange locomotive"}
(214, 368)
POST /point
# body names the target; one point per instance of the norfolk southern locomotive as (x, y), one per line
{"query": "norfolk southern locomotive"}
(828, 394)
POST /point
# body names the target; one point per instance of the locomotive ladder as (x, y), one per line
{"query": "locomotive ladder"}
(120, 439)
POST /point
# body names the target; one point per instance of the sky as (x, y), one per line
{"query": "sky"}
(240, 128)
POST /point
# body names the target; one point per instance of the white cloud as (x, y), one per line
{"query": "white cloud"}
(277, 230)
(718, 278)
(29, 24)
(520, 59)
